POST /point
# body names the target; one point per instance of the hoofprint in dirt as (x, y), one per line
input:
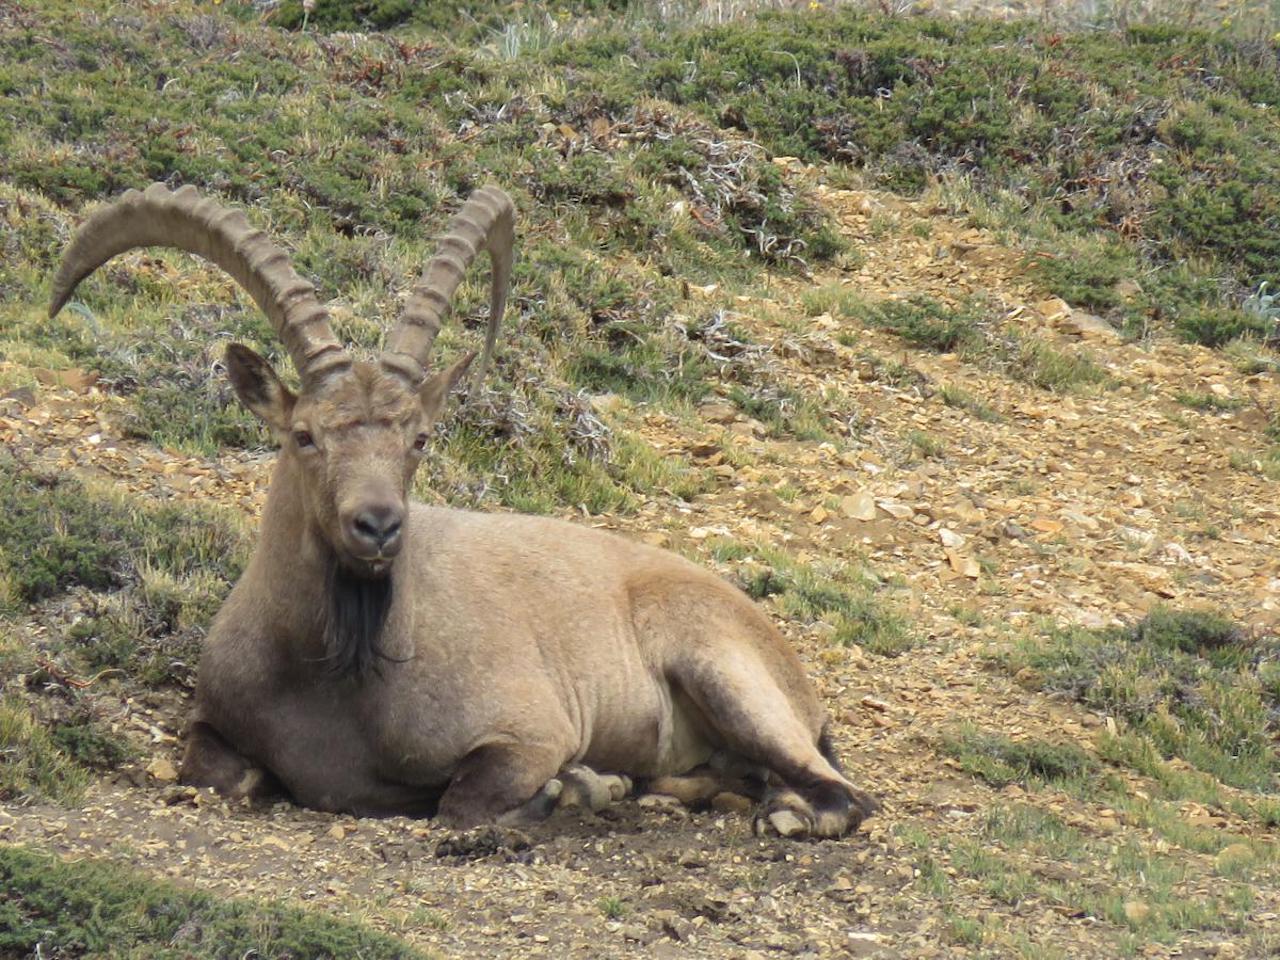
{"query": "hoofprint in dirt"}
(1087, 508)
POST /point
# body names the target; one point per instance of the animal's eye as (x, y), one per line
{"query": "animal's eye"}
(303, 439)
(420, 442)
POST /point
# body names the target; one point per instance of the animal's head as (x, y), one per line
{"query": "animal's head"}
(356, 429)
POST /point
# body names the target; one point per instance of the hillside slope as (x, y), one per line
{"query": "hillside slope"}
(1029, 559)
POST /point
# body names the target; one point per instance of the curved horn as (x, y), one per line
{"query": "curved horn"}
(182, 219)
(486, 221)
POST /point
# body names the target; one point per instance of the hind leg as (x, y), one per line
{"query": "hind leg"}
(724, 773)
(757, 720)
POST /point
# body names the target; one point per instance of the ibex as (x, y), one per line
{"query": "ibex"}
(380, 657)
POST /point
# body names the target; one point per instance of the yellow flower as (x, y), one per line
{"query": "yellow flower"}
(814, 5)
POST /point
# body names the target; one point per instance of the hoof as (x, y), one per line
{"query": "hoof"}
(827, 811)
(864, 806)
(590, 790)
(620, 786)
(537, 808)
(784, 823)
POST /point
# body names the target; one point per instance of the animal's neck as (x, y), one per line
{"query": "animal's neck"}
(292, 557)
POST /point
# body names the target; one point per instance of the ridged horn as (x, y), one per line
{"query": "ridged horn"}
(486, 222)
(184, 220)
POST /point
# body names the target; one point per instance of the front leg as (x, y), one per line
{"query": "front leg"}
(210, 761)
(504, 783)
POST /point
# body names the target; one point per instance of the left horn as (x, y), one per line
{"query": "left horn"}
(485, 222)
(184, 220)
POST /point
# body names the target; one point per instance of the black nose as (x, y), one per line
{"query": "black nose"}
(378, 528)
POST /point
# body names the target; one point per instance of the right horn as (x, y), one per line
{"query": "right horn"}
(485, 222)
(182, 219)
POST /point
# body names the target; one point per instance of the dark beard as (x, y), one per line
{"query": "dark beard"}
(357, 611)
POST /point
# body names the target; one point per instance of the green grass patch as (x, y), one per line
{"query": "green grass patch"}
(144, 580)
(33, 765)
(1141, 892)
(843, 598)
(1205, 401)
(924, 322)
(926, 445)
(1191, 683)
(970, 331)
(783, 411)
(536, 449)
(99, 909)
(999, 760)
(1110, 135)
(1086, 272)
(56, 534)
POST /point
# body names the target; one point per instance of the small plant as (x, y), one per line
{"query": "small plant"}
(926, 445)
(35, 766)
(954, 396)
(924, 322)
(1039, 363)
(612, 907)
(1262, 304)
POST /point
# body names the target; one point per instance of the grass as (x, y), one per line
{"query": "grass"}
(975, 334)
(89, 909)
(960, 399)
(1145, 893)
(35, 765)
(783, 411)
(926, 445)
(1188, 683)
(1142, 894)
(141, 581)
(1204, 155)
(1000, 761)
(842, 599)
(1205, 401)
(612, 908)
(55, 534)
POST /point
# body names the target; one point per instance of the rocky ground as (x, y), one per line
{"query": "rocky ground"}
(1086, 508)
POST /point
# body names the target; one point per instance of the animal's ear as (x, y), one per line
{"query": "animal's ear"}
(258, 387)
(436, 390)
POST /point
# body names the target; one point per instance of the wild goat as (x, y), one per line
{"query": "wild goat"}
(382, 657)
